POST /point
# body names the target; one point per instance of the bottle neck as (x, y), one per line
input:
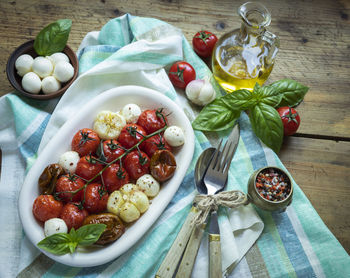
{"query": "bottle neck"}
(247, 30)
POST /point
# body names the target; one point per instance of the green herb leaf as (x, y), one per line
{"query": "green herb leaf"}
(267, 125)
(58, 244)
(292, 92)
(53, 38)
(89, 234)
(267, 95)
(218, 115)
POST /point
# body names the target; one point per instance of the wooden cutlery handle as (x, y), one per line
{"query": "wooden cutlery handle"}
(171, 260)
(189, 257)
(215, 268)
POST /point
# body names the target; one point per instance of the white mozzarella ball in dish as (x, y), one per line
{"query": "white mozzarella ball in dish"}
(31, 83)
(128, 187)
(24, 64)
(131, 113)
(129, 212)
(140, 200)
(55, 226)
(108, 124)
(148, 184)
(50, 85)
(63, 71)
(69, 161)
(174, 136)
(115, 202)
(42, 66)
(58, 57)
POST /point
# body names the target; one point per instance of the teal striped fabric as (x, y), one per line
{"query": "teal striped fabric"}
(295, 243)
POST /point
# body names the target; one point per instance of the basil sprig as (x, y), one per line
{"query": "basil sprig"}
(223, 112)
(63, 243)
(53, 38)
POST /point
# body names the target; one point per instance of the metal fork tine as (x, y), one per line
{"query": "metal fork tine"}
(221, 162)
(226, 158)
(214, 160)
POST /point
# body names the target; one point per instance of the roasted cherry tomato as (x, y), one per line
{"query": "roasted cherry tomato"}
(154, 143)
(290, 119)
(88, 167)
(73, 214)
(96, 197)
(137, 164)
(203, 43)
(46, 207)
(115, 227)
(181, 73)
(69, 183)
(130, 135)
(48, 178)
(85, 142)
(112, 149)
(152, 120)
(115, 177)
(163, 165)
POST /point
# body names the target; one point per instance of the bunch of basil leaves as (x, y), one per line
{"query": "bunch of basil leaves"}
(261, 103)
(53, 38)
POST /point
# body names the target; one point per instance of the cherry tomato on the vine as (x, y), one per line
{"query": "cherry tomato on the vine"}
(130, 135)
(74, 215)
(137, 164)
(112, 149)
(154, 143)
(290, 119)
(46, 207)
(181, 73)
(115, 177)
(69, 183)
(88, 167)
(85, 142)
(152, 120)
(96, 197)
(203, 43)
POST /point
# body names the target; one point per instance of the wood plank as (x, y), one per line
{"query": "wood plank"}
(322, 170)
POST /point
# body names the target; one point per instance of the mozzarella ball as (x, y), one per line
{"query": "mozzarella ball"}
(129, 212)
(115, 202)
(31, 83)
(54, 226)
(24, 64)
(131, 113)
(63, 71)
(148, 184)
(58, 57)
(174, 136)
(69, 161)
(50, 85)
(128, 187)
(140, 200)
(42, 66)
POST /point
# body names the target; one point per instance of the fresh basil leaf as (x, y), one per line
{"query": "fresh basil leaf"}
(267, 95)
(53, 38)
(292, 92)
(267, 125)
(218, 115)
(244, 99)
(89, 234)
(58, 244)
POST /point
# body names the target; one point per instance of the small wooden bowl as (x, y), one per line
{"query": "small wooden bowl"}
(16, 80)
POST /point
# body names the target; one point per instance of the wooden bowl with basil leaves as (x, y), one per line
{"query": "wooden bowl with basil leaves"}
(53, 38)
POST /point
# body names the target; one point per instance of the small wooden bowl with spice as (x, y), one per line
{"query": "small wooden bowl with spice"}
(270, 188)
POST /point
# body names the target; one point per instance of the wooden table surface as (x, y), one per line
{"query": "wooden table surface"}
(315, 51)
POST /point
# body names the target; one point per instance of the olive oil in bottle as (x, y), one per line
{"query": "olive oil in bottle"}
(246, 56)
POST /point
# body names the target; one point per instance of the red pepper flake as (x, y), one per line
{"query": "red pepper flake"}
(273, 185)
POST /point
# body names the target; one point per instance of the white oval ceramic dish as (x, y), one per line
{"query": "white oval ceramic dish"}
(113, 99)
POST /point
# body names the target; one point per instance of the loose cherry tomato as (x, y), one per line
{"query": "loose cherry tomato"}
(85, 142)
(112, 149)
(96, 197)
(88, 167)
(163, 165)
(154, 143)
(137, 164)
(46, 207)
(203, 43)
(152, 120)
(290, 119)
(130, 135)
(74, 215)
(69, 183)
(115, 177)
(181, 73)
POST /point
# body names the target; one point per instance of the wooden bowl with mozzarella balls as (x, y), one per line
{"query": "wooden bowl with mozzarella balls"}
(15, 76)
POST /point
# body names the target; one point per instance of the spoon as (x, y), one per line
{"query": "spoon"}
(189, 257)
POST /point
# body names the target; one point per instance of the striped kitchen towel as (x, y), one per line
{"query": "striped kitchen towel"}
(138, 51)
